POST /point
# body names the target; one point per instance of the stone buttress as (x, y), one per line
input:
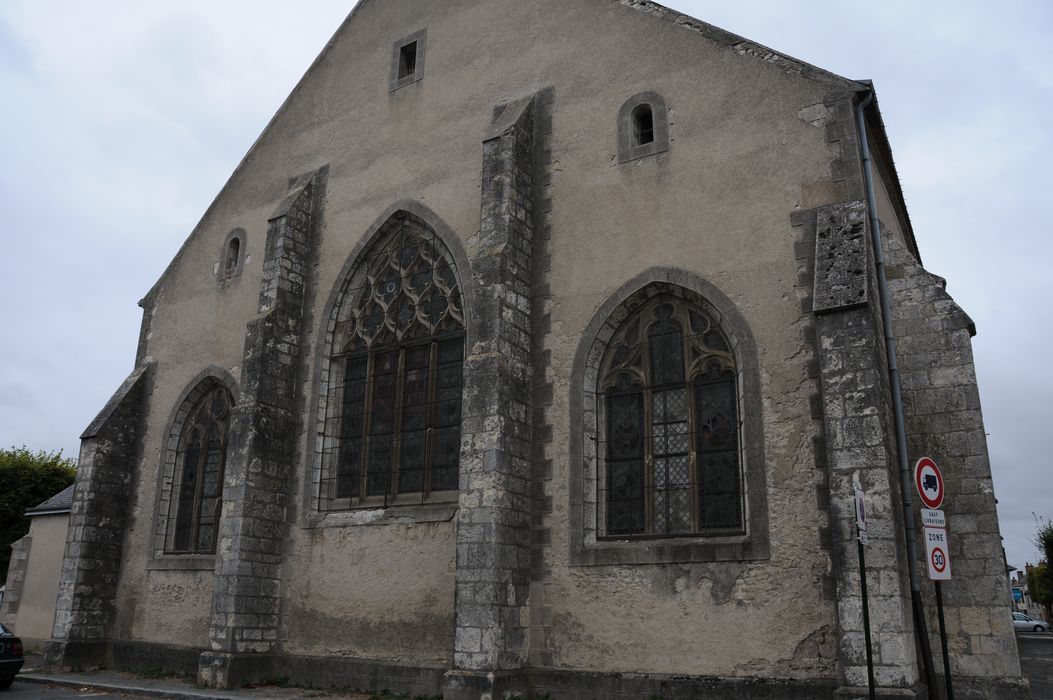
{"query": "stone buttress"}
(244, 636)
(86, 607)
(944, 422)
(494, 520)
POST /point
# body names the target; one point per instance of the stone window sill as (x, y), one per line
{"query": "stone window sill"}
(679, 551)
(392, 515)
(182, 562)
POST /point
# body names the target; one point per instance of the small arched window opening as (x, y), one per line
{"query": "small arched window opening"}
(233, 257)
(643, 125)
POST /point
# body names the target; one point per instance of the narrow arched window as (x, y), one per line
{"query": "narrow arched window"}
(197, 492)
(394, 422)
(643, 125)
(668, 393)
(233, 257)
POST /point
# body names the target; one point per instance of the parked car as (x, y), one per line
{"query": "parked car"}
(1026, 623)
(10, 657)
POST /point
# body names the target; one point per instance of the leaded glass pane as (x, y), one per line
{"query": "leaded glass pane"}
(352, 427)
(446, 435)
(671, 494)
(667, 349)
(187, 492)
(381, 423)
(625, 472)
(211, 490)
(446, 450)
(717, 448)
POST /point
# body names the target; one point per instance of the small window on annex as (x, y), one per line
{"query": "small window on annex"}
(393, 409)
(669, 427)
(196, 495)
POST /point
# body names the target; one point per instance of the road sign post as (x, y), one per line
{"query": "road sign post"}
(929, 481)
(863, 539)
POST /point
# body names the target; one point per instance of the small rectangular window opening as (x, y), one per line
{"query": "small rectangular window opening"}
(643, 125)
(408, 60)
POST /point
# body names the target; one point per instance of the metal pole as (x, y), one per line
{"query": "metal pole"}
(866, 615)
(921, 629)
(943, 641)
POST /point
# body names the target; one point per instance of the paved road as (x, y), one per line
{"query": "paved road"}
(1036, 661)
(24, 691)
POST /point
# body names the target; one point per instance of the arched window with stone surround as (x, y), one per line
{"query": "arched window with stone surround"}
(393, 400)
(196, 494)
(668, 406)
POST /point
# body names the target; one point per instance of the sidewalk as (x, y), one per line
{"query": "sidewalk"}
(172, 687)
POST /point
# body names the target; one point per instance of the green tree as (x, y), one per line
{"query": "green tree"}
(1037, 585)
(26, 479)
(1040, 577)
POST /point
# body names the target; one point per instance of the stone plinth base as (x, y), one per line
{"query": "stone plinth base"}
(916, 692)
(225, 670)
(484, 685)
(84, 655)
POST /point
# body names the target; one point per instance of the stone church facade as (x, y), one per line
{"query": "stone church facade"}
(533, 348)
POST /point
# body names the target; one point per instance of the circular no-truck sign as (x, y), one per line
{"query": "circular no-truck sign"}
(939, 560)
(929, 481)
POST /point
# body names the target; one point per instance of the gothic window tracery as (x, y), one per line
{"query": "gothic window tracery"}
(668, 394)
(200, 461)
(395, 401)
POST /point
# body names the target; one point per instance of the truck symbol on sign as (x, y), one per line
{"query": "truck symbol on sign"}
(929, 483)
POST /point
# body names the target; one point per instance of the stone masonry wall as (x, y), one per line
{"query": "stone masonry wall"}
(16, 576)
(493, 535)
(859, 440)
(86, 606)
(246, 605)
(944, 421)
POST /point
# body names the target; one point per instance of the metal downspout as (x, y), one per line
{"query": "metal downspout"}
(920, 627)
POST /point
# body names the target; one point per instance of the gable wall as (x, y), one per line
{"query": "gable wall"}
(741, 160)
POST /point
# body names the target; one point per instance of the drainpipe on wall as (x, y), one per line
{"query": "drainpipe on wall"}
(907, 483)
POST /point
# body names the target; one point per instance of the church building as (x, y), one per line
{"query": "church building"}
(535, 349)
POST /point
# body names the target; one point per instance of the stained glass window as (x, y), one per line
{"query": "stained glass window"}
(200, 460)
(396, 378)
(668, 393)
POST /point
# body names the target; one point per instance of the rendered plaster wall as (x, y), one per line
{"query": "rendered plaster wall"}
(36, 609)
(890, 223)
(165, 607)
(718, 204)
(376, 591)
(742, 158)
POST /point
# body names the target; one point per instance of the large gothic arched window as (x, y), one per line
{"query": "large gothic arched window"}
(393, 424)
(201, 456)
(670, 426)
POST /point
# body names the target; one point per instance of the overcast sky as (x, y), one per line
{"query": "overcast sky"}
(121, 120)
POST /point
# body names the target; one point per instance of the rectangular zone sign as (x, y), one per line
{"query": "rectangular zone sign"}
(937, 554)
